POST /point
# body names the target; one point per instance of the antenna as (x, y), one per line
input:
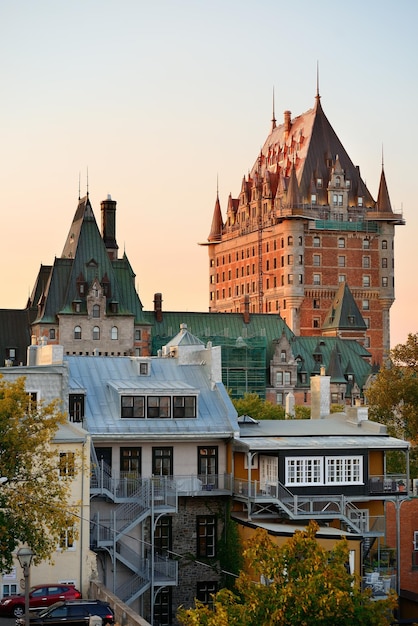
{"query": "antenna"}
(273, 121)
(317, 81)
(87, 181)
(79, 184)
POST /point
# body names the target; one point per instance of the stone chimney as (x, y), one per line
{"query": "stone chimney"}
(287, 124)
(108, 208)
(158, 307)
(320, 395)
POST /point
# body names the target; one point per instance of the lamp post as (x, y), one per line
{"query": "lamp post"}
(24, 556)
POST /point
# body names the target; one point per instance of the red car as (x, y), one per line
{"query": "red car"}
(40, 596)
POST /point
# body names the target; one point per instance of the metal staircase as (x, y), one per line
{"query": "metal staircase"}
(132, 501)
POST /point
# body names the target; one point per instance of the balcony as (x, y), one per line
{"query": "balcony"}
(389, 484)
(202, 484)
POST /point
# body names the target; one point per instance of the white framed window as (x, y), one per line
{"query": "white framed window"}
(346, 470)
(67, 540)
(416, 540)
(304, 471)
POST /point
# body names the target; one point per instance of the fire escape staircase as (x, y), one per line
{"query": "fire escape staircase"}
(266, 501)
(135, 500)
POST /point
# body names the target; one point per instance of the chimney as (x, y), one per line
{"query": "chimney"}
(158, 307)
(108, 208)
(287, 124)
(246, 314)
(320, 395)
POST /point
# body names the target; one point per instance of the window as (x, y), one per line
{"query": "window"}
(360, 201)
(205, 592)
(384, 262)
(290, 259)
(184, 406)
(207, 465)
(316, 303)
(287, 378)
(52, 333)
(158, 406)
(77, 332)
(341, 242)
(76, 407)
(10, 590)
(162, 461)
(67, 464)
(114, 332)
(366, 281)
(96, 310)
(344, 470)
(67, 540)
(317, 260)
(279, 378)
(313, 198)
(366, 262)
(137, 334)
(384, 281)
(130, 460)
(341, 278)
(290, 279)
(133, 406)
(206, 536)
(316, 242)
(316, 279)
(341, 261)
(283, 357)
(163, 535)
(316, 322)
(304, 471)
(384, 244)
(96, 333)
(366, 244)
(279, 398)
(144, 369)
(290, 240)
(366, 305)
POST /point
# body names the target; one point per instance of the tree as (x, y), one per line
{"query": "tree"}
(34, 506)
(254, 406)
(305, 585)
(393, 396)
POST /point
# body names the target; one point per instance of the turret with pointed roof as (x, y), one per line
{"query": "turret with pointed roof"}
(87, 299)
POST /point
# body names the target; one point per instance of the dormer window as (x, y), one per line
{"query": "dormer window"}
(114, 306)
(319, 183)
(360, 201)
(76, 407)
(76, 306)
(337, 181)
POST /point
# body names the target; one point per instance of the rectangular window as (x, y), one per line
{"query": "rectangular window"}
(384, 262)
(184, 406)
(341, 261)
(67, 540)
(162, 461)
(76, 407)
(287, 378)
(341, 242)
(205, 592)
(10, 590)
(366, 305)
(207, 466)
(316, 279)
(304, 471)
(163, 535)
(384, 281)
(366, 244)
(143, 369)
(279, 378)
(366, 281)
(344, 470)
(130, 460)
(317, 260)
(133, 406)
(316, 322)
(67, 464)
(206, 536)
(366, 262)
(158, 406)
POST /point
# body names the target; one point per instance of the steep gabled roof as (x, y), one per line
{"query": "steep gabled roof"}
(344, 313)
(383, 200)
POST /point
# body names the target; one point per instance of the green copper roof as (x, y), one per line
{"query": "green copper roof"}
(344, 313)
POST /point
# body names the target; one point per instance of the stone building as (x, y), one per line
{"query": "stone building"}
(303, 223)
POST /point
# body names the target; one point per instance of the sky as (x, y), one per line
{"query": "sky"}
(160, 103)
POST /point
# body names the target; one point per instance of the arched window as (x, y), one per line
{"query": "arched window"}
(114, 332)
(96, 333)
(77, 332)
(96, 310)
(290, 240)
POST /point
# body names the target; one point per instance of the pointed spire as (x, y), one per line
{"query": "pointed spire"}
(273, 120)
(217, 224)
(383, 199)
(317, 97)
(293, 196)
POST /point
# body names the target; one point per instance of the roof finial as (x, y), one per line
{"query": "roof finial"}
(87, 181)
(79, 185)
(273, 121)
(317, 81)
(217, 185)
(382, 158)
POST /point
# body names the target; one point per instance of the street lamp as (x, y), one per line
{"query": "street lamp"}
(24, 556)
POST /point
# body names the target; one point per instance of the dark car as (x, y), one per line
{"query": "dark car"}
(40, 596)
(71, 612)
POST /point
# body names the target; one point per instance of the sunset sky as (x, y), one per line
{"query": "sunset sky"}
(161, 101)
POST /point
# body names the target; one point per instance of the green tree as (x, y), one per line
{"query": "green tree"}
(393, 398)
(34, 499)
(306, 585)
(254, 406)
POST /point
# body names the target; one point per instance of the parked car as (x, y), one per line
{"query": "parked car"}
(40, 596)
(71, 612)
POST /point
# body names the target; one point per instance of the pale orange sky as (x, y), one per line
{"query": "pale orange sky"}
(160, 100)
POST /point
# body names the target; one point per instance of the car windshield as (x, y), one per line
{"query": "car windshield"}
(49, 609)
